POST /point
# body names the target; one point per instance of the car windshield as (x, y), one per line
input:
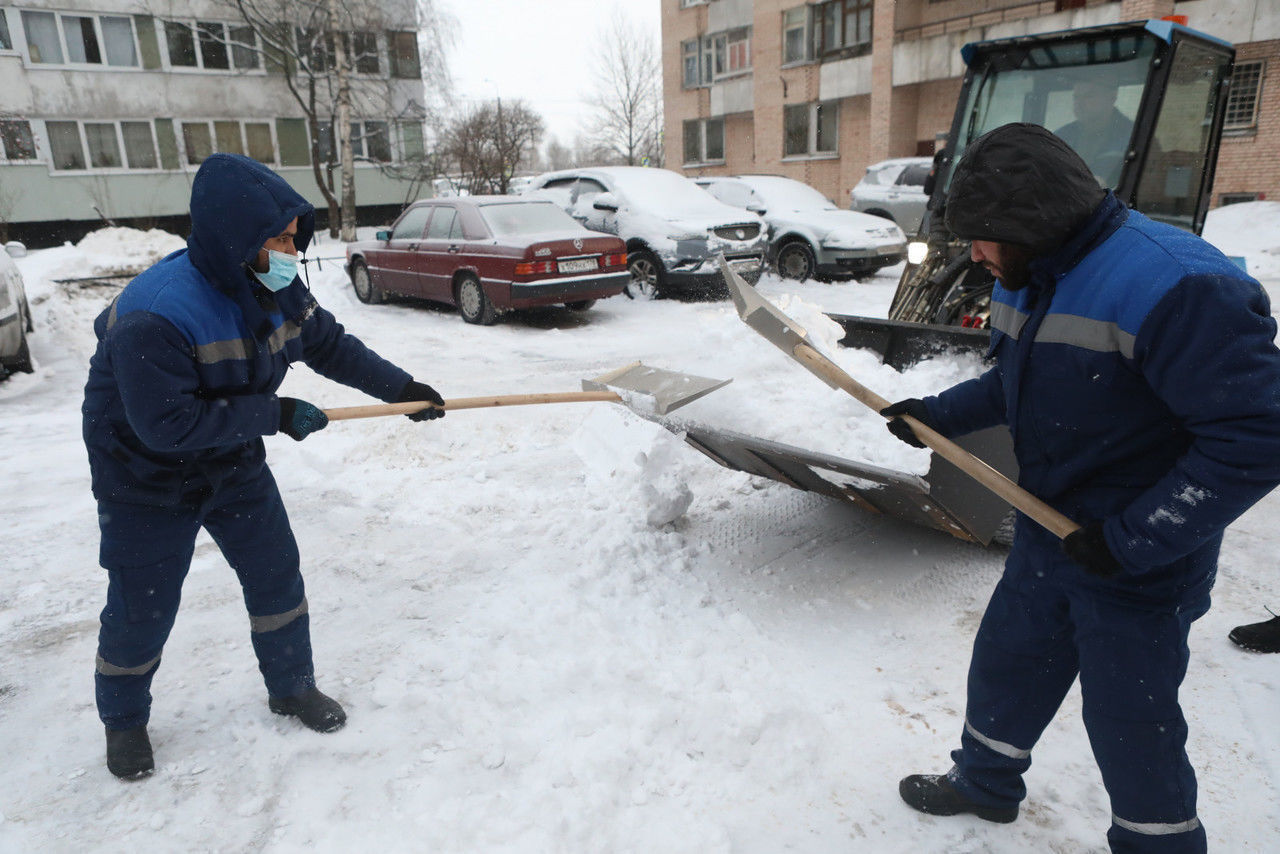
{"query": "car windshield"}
(784, 194)
(665, 193)
(505, 219)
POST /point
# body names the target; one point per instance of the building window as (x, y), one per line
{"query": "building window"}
(371, 141)
(685, 4)
(89, 39)
(16, 142)
(315, 48)
(402, 48)
(1242, 103)
(703, 141)
(228, 136)
(211, 46)
(363, 52)
(1237, 198)
(6, 42)
(65, 145)
(797, 35)
(732, 51)
(411, 141)
(110, 145)
(810, 129)
(689, 50)
(139, 145)
(844, 26)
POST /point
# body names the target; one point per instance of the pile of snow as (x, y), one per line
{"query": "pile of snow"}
(1249, 230)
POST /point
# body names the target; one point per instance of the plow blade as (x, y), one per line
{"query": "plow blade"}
(945, 499)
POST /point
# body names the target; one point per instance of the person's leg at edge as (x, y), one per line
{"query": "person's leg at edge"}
(1024, 662)
(1132, 664)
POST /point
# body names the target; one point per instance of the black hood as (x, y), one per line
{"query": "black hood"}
(1021, 184)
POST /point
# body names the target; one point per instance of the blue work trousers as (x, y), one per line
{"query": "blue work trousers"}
(1048, 622)
(147, 551)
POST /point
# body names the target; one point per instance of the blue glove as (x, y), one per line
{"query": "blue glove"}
(300, 419)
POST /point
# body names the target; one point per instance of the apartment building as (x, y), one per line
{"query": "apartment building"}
(819, 90)
(108, 107)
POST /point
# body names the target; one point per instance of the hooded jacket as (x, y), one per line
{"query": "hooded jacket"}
(182, 385)
(1138, 375)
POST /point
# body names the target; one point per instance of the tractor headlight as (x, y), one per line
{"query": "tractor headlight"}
(916, 251)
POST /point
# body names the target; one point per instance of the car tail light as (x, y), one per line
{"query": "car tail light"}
(614, 260)
(529, 268)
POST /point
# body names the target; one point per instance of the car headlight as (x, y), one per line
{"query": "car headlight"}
(917, 251)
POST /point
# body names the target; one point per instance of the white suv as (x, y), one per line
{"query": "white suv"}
(673, 229)
(894, 189)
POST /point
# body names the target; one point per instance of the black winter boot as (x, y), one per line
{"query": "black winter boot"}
(1258, 637)
(129, 753)
(315, 710)
(933, 794)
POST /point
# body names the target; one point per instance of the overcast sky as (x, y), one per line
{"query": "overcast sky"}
(538, 51)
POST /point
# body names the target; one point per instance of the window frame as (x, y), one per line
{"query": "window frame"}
(813, 129)
(31, 137)
(806, 35)
(64, 60)
(211, 125)
(843, 10)
(87, 155)
(8, 32)
(702, 125)
(1239, 128)
(230, 42)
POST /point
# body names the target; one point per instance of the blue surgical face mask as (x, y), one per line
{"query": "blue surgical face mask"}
(283, 270)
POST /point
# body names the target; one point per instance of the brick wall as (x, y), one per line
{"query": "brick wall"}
(1249, 163)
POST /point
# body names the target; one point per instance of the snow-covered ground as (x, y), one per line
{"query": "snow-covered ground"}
(559, 628)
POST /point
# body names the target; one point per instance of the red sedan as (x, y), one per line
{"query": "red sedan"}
(489, 254)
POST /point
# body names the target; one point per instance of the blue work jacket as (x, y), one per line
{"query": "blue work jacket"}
(182, 386)
(1140, 380)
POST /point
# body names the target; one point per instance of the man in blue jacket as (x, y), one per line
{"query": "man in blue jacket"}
(1136, 370)
(180, 393)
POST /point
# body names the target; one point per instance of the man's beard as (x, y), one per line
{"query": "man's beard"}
(1015, 266)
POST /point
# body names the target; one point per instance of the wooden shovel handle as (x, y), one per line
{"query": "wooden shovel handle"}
(376, 410)
(1041, 512)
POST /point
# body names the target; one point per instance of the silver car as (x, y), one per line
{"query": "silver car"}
(809, 237)
(674, 231)
(894, 189)
(15, 315)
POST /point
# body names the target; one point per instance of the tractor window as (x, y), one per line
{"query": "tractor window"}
(1174, 173)
(1087, 92)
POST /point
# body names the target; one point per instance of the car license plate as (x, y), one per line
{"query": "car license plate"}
(577, 265)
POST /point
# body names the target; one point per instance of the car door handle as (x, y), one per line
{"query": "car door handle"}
(413, 247)
(454, 248)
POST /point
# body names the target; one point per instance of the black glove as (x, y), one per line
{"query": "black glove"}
(416, 391)
(914, 407)
(300, 419)
(1088, 547)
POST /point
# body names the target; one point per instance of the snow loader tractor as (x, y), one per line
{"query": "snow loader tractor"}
(1158, 92)
(1142, 102)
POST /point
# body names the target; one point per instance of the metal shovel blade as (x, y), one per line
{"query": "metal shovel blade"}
(761, 315)
(653, 390)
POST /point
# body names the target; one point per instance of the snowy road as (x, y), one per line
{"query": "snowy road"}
(529, 664)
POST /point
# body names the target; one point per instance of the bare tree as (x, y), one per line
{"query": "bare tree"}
(317, 45)
(489, 144)
(556, 155)
(627, 95)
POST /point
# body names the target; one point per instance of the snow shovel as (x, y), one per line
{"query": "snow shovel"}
(641, 388)
(788, 336)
